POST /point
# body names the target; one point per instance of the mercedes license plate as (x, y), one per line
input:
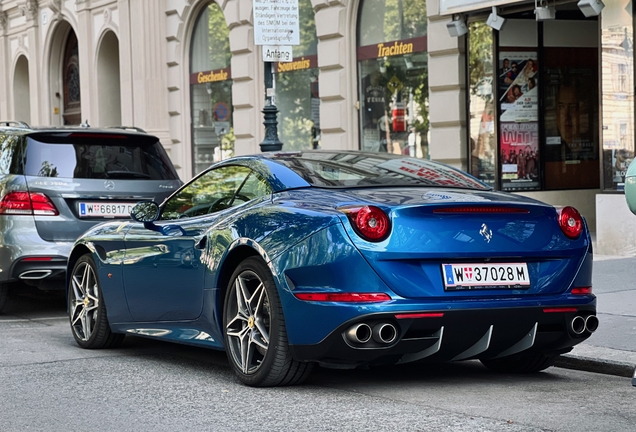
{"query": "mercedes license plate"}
(485, 276)
(105, 209)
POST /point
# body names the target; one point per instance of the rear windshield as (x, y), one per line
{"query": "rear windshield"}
(97, 156)
(351, 169)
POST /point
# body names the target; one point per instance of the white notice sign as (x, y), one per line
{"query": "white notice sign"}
(276, 22)
(277, 53)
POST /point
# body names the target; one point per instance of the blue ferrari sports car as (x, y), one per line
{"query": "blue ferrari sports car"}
(341, 259)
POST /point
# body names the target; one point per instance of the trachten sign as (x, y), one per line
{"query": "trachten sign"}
(276, 22)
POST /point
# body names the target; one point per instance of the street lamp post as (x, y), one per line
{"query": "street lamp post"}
(270, 112)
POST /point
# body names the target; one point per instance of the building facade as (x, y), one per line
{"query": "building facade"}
(376, 75)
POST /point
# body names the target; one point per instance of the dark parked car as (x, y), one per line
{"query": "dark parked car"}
(56, 183)
(342, 259)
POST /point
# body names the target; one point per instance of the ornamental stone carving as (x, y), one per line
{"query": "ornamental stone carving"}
(55, 6)
(3, 22)
(30, 9)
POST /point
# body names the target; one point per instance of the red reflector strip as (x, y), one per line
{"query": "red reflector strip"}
(38, 259)
(344, 297)
(560, 310)
(480, 209)
(419, 315)
(581, 290)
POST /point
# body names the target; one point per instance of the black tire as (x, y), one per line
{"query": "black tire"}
(527, 364)
(87, 311)
(254, 330)
(4, 295)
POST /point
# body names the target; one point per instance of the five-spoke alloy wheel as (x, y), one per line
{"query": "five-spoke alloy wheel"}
(86, 307)
(255, 335)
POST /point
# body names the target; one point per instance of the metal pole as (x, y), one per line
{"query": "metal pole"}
(270, 112)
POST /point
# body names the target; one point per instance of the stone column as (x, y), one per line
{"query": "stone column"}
(4, 67)
(447, 91)
(143, 67)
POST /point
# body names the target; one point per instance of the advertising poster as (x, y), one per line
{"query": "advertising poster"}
(519, 155)
(518, 121)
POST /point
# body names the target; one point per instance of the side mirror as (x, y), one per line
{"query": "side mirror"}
(145, 212)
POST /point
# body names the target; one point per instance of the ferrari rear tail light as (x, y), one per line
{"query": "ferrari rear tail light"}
(370, 222)
(570, 221)
(581, 290)
(27, 203)
(344, 297)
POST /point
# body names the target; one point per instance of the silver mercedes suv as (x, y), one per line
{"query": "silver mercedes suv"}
(56, 183)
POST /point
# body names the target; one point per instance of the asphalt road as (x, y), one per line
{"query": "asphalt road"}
(47, 383)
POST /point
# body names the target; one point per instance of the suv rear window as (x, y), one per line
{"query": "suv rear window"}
(97, 156)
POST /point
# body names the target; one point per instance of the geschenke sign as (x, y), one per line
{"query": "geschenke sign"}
(276, 22)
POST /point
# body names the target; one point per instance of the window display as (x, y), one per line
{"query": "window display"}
(393, 77)
(211, 89)
(297, 92)
(617, 60)
(519, 120)
(483, 142)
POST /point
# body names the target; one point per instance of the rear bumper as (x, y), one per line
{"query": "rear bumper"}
(457, 335)
(21, 242)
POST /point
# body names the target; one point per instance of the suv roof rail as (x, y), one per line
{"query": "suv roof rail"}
(14, 123)
(136, 129)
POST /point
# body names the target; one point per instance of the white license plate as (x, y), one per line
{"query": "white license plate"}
(105, 209)
(485, 276)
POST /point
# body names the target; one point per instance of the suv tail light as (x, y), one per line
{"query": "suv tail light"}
(370, 222)
(570, 221)
(27, 203)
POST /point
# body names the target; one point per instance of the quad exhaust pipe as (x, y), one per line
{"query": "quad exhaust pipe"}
(384, 333)
(580, 324)
(359, 333)
(381, 333)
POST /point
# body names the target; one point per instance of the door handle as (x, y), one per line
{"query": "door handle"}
(201, 243)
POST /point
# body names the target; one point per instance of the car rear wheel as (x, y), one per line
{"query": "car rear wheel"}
(255, 334)
(526, 364)
(87, 310)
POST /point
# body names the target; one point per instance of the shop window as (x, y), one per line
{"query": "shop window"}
(617, 75)
(393, 77)
(297, 93)
(571, 118)
(481, 102)
(514, 145)
(211, 89)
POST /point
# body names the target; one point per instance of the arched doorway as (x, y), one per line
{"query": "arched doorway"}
(21, 92)
(108, 81)
(71, 82)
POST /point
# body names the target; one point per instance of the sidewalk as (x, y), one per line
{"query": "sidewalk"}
(612, 348)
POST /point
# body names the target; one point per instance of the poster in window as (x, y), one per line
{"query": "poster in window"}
(519, 155)
(518, 121)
